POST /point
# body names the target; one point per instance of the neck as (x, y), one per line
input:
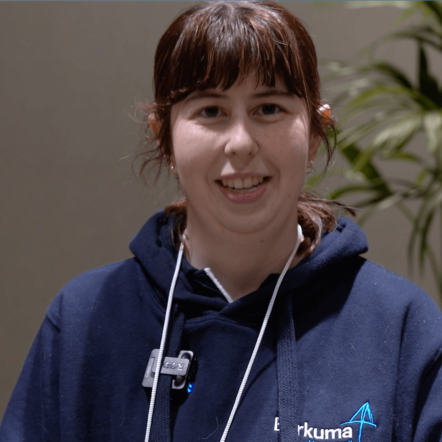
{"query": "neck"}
(241, 262)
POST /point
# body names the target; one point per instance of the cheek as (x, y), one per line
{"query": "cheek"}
(183, 144)
(191, 150)
(289, 148)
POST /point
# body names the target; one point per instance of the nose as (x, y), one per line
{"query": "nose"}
(241, 142)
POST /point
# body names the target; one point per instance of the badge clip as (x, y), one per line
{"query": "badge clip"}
(181, 368)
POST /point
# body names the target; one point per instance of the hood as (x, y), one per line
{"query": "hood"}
(154, 250)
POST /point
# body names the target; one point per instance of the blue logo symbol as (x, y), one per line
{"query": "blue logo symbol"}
(363, 416)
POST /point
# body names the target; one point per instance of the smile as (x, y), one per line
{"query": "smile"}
(243, 190)
(247, 183)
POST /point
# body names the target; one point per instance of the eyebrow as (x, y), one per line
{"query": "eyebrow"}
(197, 95)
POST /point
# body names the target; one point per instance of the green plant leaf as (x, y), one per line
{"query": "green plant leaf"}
(433, 130)
(428, 85)
(402, 156)
(389, 71)
(396, 134)
(423, 175)
(373, 178)
(435, 9)
(387, 96)
(351, 135)
(427, 35)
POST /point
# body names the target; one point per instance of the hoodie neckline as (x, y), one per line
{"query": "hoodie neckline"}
(198, 295)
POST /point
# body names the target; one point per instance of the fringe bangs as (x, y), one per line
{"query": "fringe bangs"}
(222, 45)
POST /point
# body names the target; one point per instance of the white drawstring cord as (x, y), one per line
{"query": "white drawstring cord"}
(260, 336)
(252, 358)
(163, 343)
(218, 284)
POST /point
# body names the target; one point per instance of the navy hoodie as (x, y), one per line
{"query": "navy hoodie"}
(352, 353)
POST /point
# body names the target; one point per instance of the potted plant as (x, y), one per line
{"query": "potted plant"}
(381, 110)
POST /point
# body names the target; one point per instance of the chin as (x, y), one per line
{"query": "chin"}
(247, 224)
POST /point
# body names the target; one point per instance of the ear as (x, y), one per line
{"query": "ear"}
(173, 169)
(315, 142)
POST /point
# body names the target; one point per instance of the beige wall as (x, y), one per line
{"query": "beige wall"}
(70, 74)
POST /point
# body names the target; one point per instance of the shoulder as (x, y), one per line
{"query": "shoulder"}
(396, 305)
(391, 291)
(95, 287)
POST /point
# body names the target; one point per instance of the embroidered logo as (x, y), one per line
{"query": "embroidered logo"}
(363, 416)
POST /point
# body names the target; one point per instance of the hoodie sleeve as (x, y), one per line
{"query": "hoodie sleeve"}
(33, 410)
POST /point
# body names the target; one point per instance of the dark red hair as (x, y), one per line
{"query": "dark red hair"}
(216, 44)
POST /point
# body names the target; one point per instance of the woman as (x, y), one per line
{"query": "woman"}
(249, 296)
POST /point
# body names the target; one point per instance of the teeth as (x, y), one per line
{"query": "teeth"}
(239, 183)
(248, 182)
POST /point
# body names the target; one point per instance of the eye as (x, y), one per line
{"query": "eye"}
(210, 112)
(270, 109)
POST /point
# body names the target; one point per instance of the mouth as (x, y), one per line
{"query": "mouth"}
(247, 184)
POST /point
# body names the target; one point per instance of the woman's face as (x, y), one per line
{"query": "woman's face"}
(241, 155)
